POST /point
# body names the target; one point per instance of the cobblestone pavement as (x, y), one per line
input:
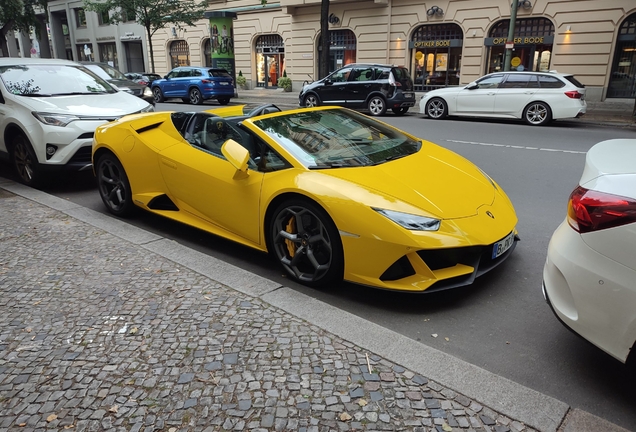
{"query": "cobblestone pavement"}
(100, 334)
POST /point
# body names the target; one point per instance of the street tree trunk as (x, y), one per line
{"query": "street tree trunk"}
(324, 31)
(152, 53)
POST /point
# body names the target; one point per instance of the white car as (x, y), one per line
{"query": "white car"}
(536, 97)
(49, 110)
(589, 278)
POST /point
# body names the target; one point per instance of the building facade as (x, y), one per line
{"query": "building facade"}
(80, 35)
(442, 43)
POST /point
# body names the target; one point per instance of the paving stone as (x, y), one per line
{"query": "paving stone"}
(205, 357)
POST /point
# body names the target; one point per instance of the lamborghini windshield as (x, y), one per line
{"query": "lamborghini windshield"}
(336, 138)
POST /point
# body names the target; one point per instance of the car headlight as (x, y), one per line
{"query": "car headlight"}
(147, 92)
(149, 108)
(52, 119)
(410, 221)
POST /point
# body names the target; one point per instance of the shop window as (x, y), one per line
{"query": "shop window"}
(108, 54)
(80, 17)
(436, 53)
(622, 82)
(533, 38)
(270, 60)
(179, 53)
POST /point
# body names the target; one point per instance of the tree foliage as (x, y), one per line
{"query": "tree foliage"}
(18, 15)
(153, 15)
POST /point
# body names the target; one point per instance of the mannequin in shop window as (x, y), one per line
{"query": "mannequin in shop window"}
(273, 74)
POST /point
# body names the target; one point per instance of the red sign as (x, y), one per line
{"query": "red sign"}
(510, 45)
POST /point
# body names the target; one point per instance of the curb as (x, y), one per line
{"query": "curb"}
(513, 400)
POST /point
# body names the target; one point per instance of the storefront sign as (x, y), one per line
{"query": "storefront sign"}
(82, 40)
(106, 38)
(130, 36)
(525, 40)
(441, 43)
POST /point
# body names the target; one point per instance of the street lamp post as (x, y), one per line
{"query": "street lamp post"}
(511, 33)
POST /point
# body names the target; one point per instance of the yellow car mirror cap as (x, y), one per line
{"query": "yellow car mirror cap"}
(237, 155)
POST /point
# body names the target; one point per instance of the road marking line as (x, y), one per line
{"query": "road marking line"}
(516, 147)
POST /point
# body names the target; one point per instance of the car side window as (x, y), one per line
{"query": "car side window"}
(173, 73)
(382, 74)
(363, 74)
(546, 81)
(490, 82)
(341, 75)
(516, 81)
(195, 73)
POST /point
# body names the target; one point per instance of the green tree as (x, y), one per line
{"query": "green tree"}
(18, 15)
(153, 15)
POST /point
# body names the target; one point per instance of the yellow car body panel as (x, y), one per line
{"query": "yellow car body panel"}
(437, 183)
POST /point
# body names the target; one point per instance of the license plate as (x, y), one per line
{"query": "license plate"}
(224, 83)
(502, 246)
(408, 95)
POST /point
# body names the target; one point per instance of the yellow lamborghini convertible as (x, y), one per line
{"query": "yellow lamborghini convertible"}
(331, 193)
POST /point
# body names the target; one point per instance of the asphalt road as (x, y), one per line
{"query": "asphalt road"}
(500, 323)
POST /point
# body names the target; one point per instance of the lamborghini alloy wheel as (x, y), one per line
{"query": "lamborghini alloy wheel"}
(113, 185)
(306, 242)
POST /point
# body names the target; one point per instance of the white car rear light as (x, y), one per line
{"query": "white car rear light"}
(590, 210)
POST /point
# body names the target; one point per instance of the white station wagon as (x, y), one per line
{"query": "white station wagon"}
(535, 97)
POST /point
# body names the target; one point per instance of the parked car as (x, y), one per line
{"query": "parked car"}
(195, 84)
(49, 110)
(375, 87)
(535, 97)
(119, 80)
(142, 78)
(590, 272)
(330, 192)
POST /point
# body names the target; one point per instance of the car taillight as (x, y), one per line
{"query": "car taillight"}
(206, 81)
(573, 94)
(393, 82)
(590, 210)
(143, 83)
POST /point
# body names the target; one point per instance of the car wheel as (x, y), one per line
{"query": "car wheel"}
(436, 109)
(113, 185)
(195, 96)
(224, 101)
(537, 114)
(377, 106)
(25, 161)
(158, 95)
(304, 239)
(311, 100)
(400, 111)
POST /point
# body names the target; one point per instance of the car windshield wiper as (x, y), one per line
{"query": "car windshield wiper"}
(330, 165)
(390, 158)
(78, 93)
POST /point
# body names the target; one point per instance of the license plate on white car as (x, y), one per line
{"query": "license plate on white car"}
(502, 246)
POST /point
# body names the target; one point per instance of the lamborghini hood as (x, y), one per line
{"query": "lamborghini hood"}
(436, 180)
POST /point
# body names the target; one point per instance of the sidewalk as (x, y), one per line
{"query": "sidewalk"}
(616, 112)
(105, 326)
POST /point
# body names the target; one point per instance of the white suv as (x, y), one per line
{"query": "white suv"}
(535, 97)
(49, 110)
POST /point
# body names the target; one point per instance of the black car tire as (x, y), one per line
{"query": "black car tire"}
(224, 100)
(436, 109)
(158, 95)
(24, 161)
(537, 114)
(311, 100)
(196, 98)
(304, 239)
(377, 106)
(400, 110)
(113, 185)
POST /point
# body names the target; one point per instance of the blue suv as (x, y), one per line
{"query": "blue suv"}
(195, 84)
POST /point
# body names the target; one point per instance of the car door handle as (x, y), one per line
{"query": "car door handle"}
(168, 163)
(491, 94)
(529, 92)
